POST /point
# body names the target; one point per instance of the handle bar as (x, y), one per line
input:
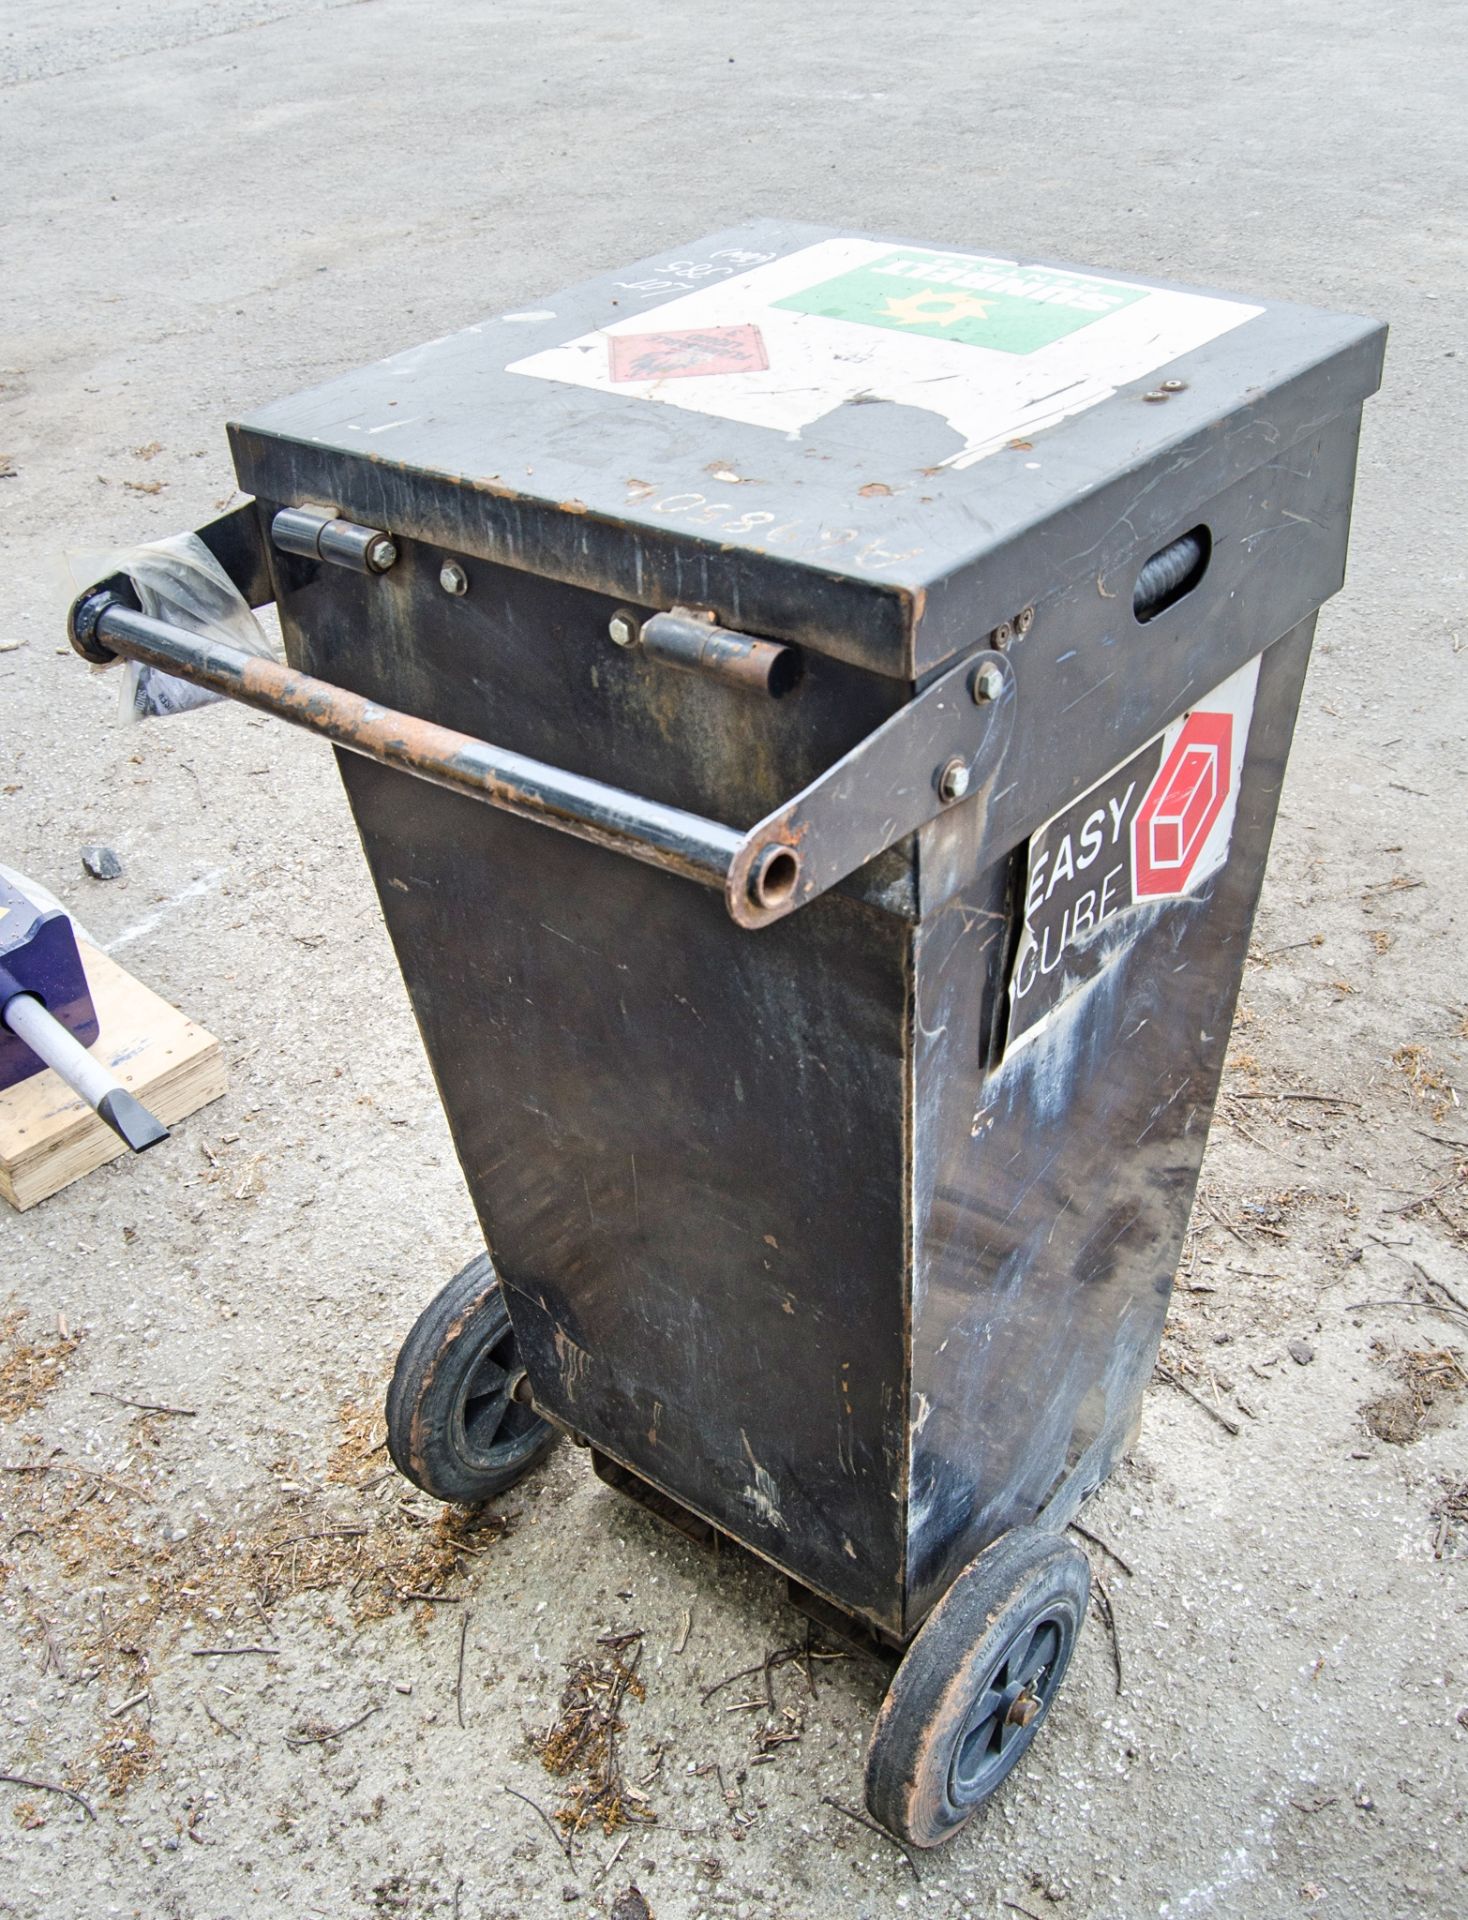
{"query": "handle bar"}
(922, 760)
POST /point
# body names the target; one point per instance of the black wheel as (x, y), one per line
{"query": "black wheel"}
(976, 1684)
(454, 1424)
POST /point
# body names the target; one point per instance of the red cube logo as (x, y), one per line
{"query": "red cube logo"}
(1181, 805)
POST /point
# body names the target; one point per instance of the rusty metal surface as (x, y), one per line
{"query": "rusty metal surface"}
(944, 747)
(642, 1133)
(885, 788)
(646, 830)
(628, 713)
(856, 535)
(528, 661)
(873, 797)
(682, 639)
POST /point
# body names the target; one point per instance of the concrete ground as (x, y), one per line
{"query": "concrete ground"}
(209, 205)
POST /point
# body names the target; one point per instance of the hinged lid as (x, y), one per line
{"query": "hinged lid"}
(877, 449)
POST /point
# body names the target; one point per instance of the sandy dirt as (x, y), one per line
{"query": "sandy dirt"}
(211, 205)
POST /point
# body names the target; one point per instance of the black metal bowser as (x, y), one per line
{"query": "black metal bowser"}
(928, 628)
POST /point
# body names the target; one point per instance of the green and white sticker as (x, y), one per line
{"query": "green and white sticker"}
(997, 350)
(965, 298)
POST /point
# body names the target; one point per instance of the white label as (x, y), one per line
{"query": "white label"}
(998, 349)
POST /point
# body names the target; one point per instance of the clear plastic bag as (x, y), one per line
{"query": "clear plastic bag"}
(180, 581)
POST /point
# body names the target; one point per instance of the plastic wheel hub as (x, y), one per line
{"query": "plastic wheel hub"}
(1010, 1706)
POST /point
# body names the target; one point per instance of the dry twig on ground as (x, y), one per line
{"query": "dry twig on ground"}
(1450, 1511)
(581, 1745)
(29, 1369)
(1425, 1375)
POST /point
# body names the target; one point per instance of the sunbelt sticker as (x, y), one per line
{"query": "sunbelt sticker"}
(1155, 828)
(965, 298)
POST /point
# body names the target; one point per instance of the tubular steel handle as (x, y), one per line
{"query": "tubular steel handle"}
(925, 758)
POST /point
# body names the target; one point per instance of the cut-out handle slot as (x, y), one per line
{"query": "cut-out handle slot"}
(1171, 573)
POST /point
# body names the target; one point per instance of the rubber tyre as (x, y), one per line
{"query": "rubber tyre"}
(938, 1752)
(451, 1427)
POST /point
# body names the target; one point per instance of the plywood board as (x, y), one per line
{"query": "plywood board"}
(49, 1137)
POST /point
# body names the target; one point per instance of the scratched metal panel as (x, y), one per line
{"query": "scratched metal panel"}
(1092, 683)
(865, 522)
(685, 1142)
(1053, 1193)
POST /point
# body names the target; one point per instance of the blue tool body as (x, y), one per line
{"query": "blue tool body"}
(39, 956)
(47, 1018)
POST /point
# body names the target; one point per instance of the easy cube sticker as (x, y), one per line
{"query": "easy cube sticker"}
(1154, 829)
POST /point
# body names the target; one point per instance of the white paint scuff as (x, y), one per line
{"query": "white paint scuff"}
(764, 1495)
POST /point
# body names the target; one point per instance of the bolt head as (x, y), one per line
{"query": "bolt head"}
(452, 578)
(953, 781)
(1023, 1710)
(1155, 395)
(623, 628)
(1024, 621)
(1174, 386)
(988, 683)
(382, 554)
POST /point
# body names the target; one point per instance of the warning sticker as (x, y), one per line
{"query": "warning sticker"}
(979, 303)
(1154, 829)
(686, 354)
(994, 348)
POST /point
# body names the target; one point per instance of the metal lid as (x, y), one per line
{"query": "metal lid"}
(876, 449)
